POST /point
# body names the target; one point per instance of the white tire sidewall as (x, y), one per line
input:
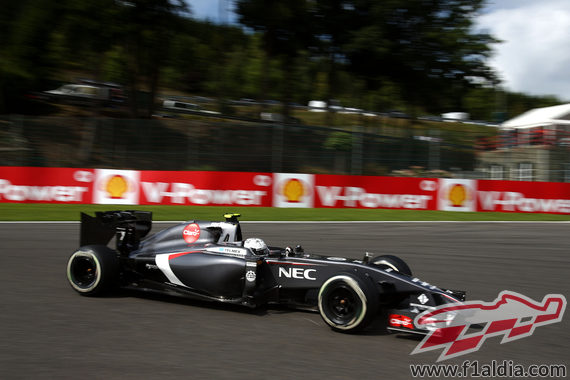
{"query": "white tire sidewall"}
(88, 254)
(388, 264)
(353, 284)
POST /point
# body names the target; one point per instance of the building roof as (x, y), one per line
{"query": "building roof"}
(540, 117)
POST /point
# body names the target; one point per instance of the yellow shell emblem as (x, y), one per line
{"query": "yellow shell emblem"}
(457, 195)
(293, 190)
(117, 186)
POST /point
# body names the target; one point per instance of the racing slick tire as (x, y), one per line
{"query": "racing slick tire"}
(392, 262)
(347, 303)
(93, 270)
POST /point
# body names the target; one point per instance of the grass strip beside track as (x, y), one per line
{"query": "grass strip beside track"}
(49, 212)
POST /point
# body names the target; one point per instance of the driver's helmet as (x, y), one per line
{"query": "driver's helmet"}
(257, 246)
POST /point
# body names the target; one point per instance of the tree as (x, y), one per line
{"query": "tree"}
(43, 37)
(427, 47)
(25, 61)
(287, 28)
(147, 26)
(334, 24)
(420, 47)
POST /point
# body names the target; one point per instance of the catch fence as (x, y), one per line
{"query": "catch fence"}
(231, 145)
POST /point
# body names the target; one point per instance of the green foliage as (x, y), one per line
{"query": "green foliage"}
(114, 64)
(412, 55)
(339, 141)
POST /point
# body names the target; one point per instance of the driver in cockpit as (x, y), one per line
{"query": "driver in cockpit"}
(257, 246)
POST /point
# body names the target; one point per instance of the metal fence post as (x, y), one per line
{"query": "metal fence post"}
(434, 150)
(356, 164)
(277, 151)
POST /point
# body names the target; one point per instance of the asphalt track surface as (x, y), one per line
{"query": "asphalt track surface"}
(49, 331)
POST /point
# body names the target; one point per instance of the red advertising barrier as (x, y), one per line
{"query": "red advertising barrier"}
(205, 188)
(344, 191)
(528, 197)
(45, 185)
(132, 187)
(375, 192)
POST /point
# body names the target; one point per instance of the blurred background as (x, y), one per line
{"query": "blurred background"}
(360, 87)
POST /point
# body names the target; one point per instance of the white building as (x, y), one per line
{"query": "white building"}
(534, 146)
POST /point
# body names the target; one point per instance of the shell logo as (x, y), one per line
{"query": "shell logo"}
(458, 195)
(293, 190)
(119, 187)
(116, 186)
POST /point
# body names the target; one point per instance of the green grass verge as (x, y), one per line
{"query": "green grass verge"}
(40, 212)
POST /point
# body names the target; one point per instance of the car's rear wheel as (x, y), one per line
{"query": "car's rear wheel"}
(93, 270)
(347, 303)
(392, 262)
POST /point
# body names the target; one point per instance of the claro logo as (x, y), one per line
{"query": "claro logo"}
(298, 273)
(191, 233)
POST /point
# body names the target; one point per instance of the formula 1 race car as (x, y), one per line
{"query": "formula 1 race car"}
(211, 261)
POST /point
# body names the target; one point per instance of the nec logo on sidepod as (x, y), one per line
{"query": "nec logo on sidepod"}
(512, 316)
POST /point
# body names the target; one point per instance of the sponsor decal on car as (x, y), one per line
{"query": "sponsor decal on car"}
(236, 252)
(398, 320)
(423, 298)
(425, 284)
(298, 273)
(250, 276)
(191, 233)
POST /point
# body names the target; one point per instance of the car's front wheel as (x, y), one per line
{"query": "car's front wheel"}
(347, 303)
(93, 270)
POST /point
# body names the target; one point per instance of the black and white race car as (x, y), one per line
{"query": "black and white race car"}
(211, 261)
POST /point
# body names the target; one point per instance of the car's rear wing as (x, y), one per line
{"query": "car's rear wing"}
(129, 226)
